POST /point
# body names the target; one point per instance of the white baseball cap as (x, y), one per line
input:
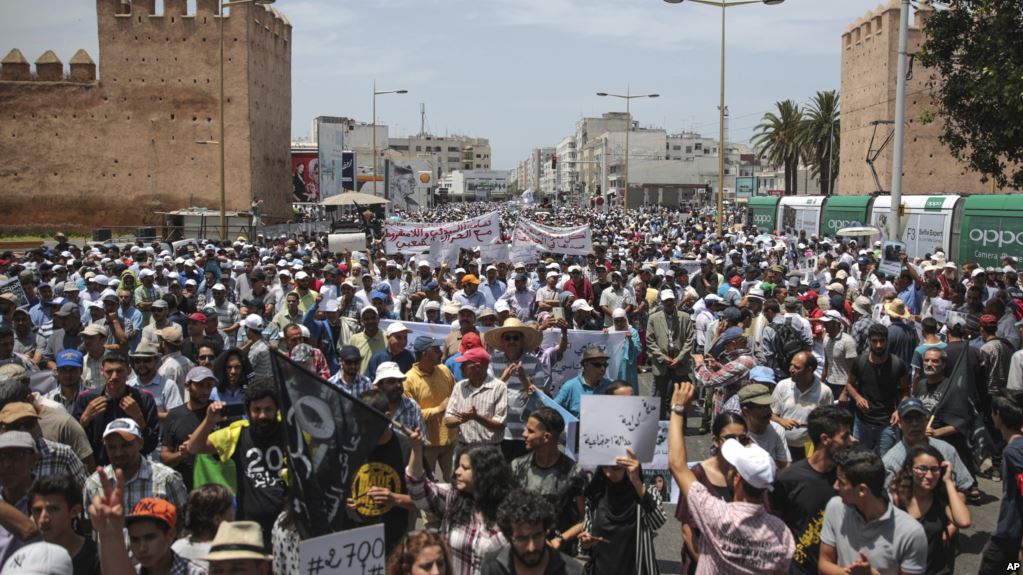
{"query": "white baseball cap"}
(396, 327)
(126, 426)
(254, 321)
(751, 461)
(39, 558)
(618, 313)
(755, 292)
(581, 304)
(667, 294)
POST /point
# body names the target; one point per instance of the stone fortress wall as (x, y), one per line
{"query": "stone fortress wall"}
(110, 146)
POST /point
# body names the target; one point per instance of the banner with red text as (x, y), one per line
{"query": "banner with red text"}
(415, 237)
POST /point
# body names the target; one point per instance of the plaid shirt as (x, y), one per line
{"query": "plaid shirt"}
(152, 480)
(58, 459)
(179, 566)
(728, 379)
(859, 330)
(409, 414)
(468, 543)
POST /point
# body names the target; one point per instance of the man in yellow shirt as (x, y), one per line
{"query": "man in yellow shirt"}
(430, 383)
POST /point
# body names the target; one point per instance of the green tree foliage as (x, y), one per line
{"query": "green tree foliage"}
(819, 138)
(778, 140)
(975, 48)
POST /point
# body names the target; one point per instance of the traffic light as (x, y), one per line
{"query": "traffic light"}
(554, 162)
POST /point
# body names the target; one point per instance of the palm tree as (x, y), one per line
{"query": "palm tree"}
(777, 140)
(819, 138)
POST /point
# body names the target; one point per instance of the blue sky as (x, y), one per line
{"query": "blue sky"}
(520, 72)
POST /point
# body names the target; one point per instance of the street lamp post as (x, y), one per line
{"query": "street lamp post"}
(628, 97)
(723, 4)
(223, 146)
(375, 94)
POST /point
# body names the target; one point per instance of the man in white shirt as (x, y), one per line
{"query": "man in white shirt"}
(794, 399)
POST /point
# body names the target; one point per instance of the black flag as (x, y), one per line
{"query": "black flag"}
(957, 398)
(330, 434)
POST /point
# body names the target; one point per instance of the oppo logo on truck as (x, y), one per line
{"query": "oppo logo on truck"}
(998, 238)
(839, 224)
(761, 218)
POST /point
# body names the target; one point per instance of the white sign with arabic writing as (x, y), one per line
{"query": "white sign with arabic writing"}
(571, 241)
(609, 424)
(415, 237)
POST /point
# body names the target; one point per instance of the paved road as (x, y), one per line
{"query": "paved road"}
(669, 540)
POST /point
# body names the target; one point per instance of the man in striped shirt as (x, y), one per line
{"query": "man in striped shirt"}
(478, 405)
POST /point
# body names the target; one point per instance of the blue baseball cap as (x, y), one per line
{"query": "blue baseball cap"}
(377, 294)
(432, 284)
(425, 342)
(762, 374)
(911, 404)
(69, 358)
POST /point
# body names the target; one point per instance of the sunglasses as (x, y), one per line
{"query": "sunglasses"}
(741, 438)
(599, 364)
(511, 337)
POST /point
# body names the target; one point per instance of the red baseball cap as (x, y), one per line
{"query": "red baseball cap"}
(201, 318)
(153, 508)
(476, 354)
(735, 281)
(988, 320)
(469, 341)
(809, 296)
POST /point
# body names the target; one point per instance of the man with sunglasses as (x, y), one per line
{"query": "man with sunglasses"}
(592, 380)
(755, 400)
(164, 391)
(350, 377)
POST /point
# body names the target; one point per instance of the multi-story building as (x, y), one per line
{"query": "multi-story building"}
(476, 185)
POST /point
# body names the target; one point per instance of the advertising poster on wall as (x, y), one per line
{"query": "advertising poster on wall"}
(401, 184)
(305, 176)
(348, 171)
(330, 138)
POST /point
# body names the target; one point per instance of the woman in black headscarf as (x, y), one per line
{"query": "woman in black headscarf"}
(621, 511)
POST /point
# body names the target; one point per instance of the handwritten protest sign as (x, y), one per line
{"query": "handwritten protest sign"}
(493, 253)
(353, 552)
(415, 237)
(350, 242)
(525, 253)
(609, 424)
(13, 286)
(572, 241)
(444, 254)
(571, 363)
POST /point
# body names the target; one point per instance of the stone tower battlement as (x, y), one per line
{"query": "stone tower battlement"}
(869, 67)
(121, 138)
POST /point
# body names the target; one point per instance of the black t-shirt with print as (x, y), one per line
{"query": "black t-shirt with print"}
(800, 494)
(261, 490)
(385, 467)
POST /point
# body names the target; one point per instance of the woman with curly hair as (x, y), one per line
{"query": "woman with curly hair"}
(925, 489)
(621, 518)
(468, 507)
(233, 372)
(420, 553)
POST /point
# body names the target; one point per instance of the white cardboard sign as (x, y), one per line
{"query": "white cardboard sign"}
(352, 242)
(609, 424)
(353, 551)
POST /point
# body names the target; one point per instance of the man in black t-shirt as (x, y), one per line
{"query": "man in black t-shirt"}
(878, 380)
(802, 491)
(378, 491)
(258, 449)
(54, 502)
(182, 420)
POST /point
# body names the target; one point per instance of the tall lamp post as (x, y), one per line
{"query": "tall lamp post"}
(723, 4)
(375, 94)
(223, 146)
(628, 97)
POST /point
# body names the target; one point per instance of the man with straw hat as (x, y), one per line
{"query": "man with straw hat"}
(517, 360)
(902, 337)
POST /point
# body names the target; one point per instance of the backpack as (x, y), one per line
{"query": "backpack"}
(788, 341)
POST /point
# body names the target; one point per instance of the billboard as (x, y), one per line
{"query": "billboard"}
(305, 176)
(330, 139)
(403, 186)
(348, 171)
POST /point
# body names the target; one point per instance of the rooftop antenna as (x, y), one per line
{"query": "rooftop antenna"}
(422, 119)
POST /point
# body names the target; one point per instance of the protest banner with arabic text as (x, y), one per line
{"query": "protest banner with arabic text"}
(569, 241)
(610, 423)
(415, 237)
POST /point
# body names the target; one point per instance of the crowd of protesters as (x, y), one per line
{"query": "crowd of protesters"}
(850, 411)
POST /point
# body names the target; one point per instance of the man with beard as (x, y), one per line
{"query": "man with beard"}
(877, 381)
(182, 420)
(525, 517)
(390, 380)
(350, 376)
(256, 446)
(122, 441)
(165, 392)
(430, 383)
(616, 296)
(802, 490)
